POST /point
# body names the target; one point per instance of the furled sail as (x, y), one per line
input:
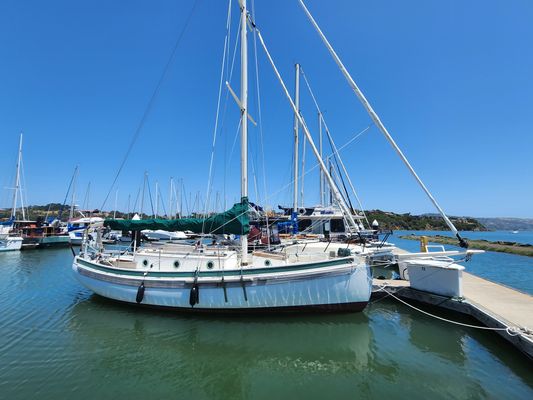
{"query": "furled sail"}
(233, 221)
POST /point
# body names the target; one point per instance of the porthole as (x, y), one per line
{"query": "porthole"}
(210, 264)
(267, 263)
(145, 263)
(176, 264)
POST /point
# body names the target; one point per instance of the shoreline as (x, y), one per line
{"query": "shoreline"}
(520, 249)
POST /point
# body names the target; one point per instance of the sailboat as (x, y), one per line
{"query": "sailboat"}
(218, 278)
(9, 239)
(35, 234)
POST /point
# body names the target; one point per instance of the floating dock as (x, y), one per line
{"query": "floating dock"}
(508, 311)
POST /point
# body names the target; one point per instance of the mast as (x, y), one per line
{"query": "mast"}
(380, 125)
(182, 191)
(170, 205)
(115, 208)
(17, 184)
(336, 194)
(244, 120)
(87, 196)
(296, 147)
(302, 174)
(156, 198)
(142, 195)
(331, 173)
(322, 193)
(73, 197)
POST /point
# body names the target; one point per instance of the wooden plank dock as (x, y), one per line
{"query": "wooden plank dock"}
(492, 304)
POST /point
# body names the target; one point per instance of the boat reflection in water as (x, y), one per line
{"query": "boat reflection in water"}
(256, 354)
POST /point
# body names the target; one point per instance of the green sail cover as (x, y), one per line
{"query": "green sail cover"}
(235, 221)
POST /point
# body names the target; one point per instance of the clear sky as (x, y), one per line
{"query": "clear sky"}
(452, 81)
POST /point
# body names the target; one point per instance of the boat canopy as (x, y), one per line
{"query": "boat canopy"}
(233, 221)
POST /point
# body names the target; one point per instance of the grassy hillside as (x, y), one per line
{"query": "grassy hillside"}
(499, 246)
(390, 220)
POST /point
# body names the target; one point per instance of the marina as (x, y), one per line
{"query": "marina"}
(72, 340)
(255, 258)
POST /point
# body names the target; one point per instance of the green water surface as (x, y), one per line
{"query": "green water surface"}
(58, 340)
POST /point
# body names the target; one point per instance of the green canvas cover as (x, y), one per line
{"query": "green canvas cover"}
(235, 221)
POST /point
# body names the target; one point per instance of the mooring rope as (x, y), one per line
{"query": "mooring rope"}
(510, 330)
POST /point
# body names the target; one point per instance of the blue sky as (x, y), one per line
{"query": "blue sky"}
(451, 80)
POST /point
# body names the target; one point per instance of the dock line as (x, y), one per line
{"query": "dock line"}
(510, 330)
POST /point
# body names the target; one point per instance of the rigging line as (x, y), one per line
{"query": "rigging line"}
(68, 191)
(283, 188)
(333, 146)
(229, 70)
(151, 101)
(86, 199)
(185, 197)
(23, 193)
(235, 138)
(336, 152)
(228, 27)
(335, 174)
(332, 143)
(381, 126)
(339, 174)
(224, 113)
(215, 129)
(136, 201)
(260, 119)
(162, 200)
(254, 174)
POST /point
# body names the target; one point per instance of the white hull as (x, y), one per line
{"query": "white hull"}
(10, 243)
(339, 287)
(76, 237)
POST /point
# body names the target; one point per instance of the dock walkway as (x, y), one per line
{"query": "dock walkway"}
(492, 304)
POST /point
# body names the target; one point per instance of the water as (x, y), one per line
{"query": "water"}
(57, 340)
(509, 269)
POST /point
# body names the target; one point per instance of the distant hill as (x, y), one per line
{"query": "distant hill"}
(386, 219)
(41, 211)
(507, 224)
(425, 222)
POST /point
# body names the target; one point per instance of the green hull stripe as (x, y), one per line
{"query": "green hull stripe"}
(216, 273)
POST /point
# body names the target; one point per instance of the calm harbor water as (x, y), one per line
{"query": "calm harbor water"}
(58, 340)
